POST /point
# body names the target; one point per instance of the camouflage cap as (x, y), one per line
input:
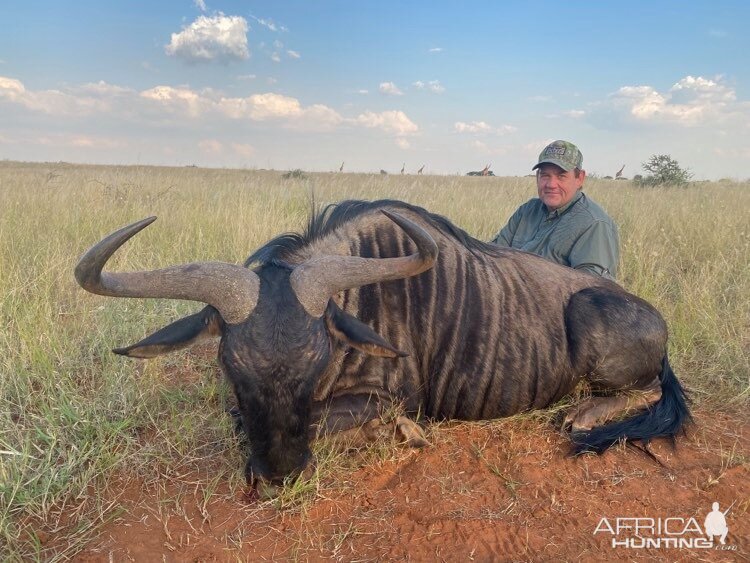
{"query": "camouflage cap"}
(562, 153)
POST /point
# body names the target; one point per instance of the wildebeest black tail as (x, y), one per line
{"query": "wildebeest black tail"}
(664, 418)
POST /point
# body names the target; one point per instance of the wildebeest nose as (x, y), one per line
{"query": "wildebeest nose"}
(270, 488)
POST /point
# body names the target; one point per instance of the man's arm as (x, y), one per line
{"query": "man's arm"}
(506, 234)
(597, 250)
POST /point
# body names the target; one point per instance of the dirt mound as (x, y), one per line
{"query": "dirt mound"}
(503, 490)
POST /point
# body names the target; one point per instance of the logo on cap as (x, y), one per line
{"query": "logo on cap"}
(554, 151)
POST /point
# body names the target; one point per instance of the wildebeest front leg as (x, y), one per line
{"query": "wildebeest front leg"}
(403, 429)
(357, 420)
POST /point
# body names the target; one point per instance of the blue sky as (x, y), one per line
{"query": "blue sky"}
(449, 85)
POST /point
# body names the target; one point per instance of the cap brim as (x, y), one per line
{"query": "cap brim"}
(560, 163)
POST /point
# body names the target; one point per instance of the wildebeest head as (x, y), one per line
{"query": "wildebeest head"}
(276, 325)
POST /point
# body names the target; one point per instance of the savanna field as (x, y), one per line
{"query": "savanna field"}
(104, 458)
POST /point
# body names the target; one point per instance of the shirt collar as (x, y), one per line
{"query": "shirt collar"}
(561, 210)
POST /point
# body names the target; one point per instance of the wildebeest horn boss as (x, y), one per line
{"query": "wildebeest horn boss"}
(442, 324)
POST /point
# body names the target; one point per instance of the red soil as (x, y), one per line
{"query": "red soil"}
(482, 492)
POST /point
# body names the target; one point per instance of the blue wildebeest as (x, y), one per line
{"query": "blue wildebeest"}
(383, 302)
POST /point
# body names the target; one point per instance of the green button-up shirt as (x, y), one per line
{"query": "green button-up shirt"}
(580, 235)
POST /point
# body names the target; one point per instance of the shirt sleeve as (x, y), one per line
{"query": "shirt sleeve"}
(506, 234)
(597, 250)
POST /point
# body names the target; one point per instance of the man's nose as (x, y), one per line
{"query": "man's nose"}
(549, 182)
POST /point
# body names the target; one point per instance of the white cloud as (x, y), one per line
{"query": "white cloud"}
(271, 106)
(482, 127)
(480, 146)
(702, 88)
(389, 121)
(484, 148)
(178, 102)
(94, 142)
(270, 24)
(402, 143)
(102, 89)
(319, 116)
(293, 54)
(11, 89)
(390, 89)
(473, 127)
(436, 50)
(260, 107)
(433, 86)
(742, 153)
(575, 113)
(214, 147)
(211, 146)
(218, 38)
(85, 100)
(200, 4)
(363, 91)
(691, 101)
(275, 57)
(246, 76)
(244, 150)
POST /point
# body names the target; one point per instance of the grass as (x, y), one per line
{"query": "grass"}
(74, 417)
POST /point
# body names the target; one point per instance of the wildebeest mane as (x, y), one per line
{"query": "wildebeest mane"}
(334, 215)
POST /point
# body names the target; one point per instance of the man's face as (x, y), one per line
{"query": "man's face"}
(556, 186)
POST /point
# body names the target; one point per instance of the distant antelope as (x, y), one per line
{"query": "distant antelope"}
(341, 168)
(420, 170)
(403, 168)
(619, 172)
(486, 170)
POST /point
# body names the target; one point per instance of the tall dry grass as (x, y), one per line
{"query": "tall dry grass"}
(73, 416)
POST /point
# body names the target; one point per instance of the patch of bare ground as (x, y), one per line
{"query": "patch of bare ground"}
(501, 490)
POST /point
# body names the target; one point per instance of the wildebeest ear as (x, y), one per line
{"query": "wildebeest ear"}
(176, 336)
(357, 334)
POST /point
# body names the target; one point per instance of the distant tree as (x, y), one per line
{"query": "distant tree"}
(297, 174)
(663, 171)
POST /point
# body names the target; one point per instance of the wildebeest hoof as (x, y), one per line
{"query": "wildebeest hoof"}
(585, 416)
(411, 432)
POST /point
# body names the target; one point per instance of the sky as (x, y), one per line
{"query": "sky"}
(451, 86)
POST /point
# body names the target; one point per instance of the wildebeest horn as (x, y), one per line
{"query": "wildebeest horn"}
(317, 279)
(231, 289)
